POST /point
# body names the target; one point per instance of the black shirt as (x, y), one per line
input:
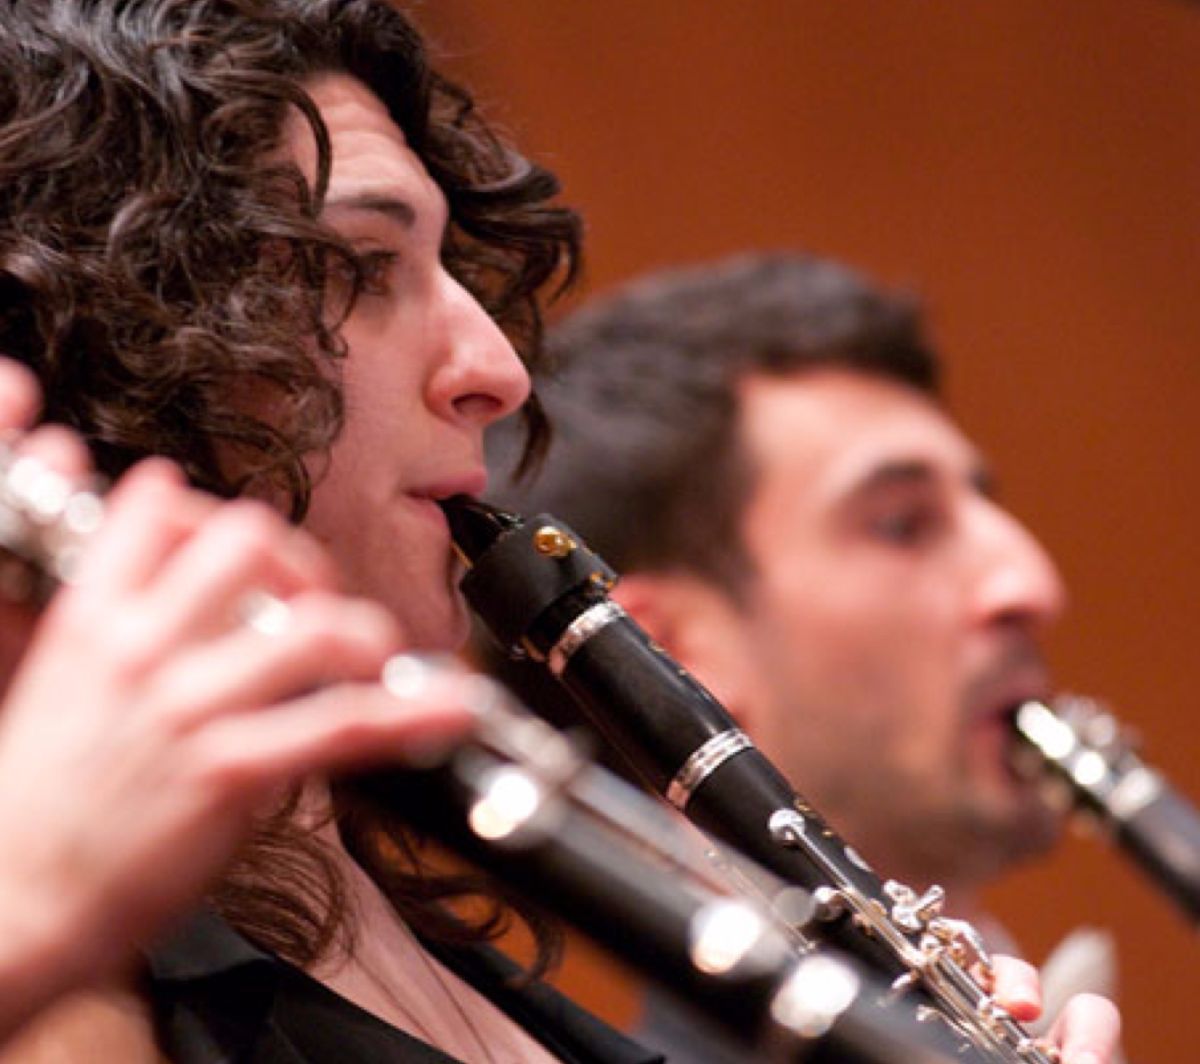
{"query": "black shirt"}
(218, 999)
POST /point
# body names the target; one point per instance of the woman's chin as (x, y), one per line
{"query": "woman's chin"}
(441, 627)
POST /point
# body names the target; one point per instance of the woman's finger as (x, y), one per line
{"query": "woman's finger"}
(242, 548)
(319, 639)
(19, 399)
(148, 513)
(58, 450)
(335, 729)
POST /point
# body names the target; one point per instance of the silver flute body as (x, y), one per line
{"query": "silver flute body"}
(516, 799)
(544, 595)
(1085, 755)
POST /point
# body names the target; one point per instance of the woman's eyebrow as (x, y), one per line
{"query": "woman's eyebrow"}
(392, 207)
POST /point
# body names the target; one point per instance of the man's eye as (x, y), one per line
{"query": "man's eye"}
(905, 528)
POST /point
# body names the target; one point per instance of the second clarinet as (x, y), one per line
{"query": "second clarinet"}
(1087, 757)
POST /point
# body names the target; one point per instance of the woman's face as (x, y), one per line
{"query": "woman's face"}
(427, 372)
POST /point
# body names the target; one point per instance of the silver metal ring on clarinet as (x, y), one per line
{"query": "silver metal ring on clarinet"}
(580, 630)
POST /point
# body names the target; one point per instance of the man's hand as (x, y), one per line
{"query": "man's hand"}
(1088, 1029)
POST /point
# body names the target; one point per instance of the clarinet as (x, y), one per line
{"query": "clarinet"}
(544, 595)
(516, 799)
(1085, 756)
(519, 802)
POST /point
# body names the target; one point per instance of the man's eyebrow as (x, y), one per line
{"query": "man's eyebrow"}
(377, 203)
(915, 471)
(894, 473)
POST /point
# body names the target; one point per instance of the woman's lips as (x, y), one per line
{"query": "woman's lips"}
(429, 510)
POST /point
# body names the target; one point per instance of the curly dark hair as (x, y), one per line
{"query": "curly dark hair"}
(152, 265)
(160, 259)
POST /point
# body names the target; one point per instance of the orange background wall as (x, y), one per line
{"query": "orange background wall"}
(1032, 167)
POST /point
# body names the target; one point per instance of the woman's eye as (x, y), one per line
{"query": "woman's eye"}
(376, 267)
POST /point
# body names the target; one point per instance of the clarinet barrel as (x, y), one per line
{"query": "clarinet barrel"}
(1085, 755)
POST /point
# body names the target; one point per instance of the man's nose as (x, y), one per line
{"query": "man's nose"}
(1018, 581)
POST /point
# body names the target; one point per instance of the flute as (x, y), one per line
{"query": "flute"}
(1084, 754)
(544, 595)
(518, 801)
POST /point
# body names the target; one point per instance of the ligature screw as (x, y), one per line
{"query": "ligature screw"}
(552, 542)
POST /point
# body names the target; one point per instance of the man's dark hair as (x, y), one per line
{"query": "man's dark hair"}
(165, 273)
(645, 462)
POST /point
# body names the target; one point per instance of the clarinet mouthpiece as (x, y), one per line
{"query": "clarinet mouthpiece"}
(475, 526)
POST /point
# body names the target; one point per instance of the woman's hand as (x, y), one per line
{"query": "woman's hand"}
(153, 713)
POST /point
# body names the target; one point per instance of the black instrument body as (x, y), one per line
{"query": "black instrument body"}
(1085, 754)
(563, 849)
(544, 595)
(658, 715)
(648, 915)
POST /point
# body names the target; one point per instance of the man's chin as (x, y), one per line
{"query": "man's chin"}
(1021, 828)
(985, 839)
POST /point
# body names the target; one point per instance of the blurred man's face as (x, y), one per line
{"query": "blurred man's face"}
(890, 625)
